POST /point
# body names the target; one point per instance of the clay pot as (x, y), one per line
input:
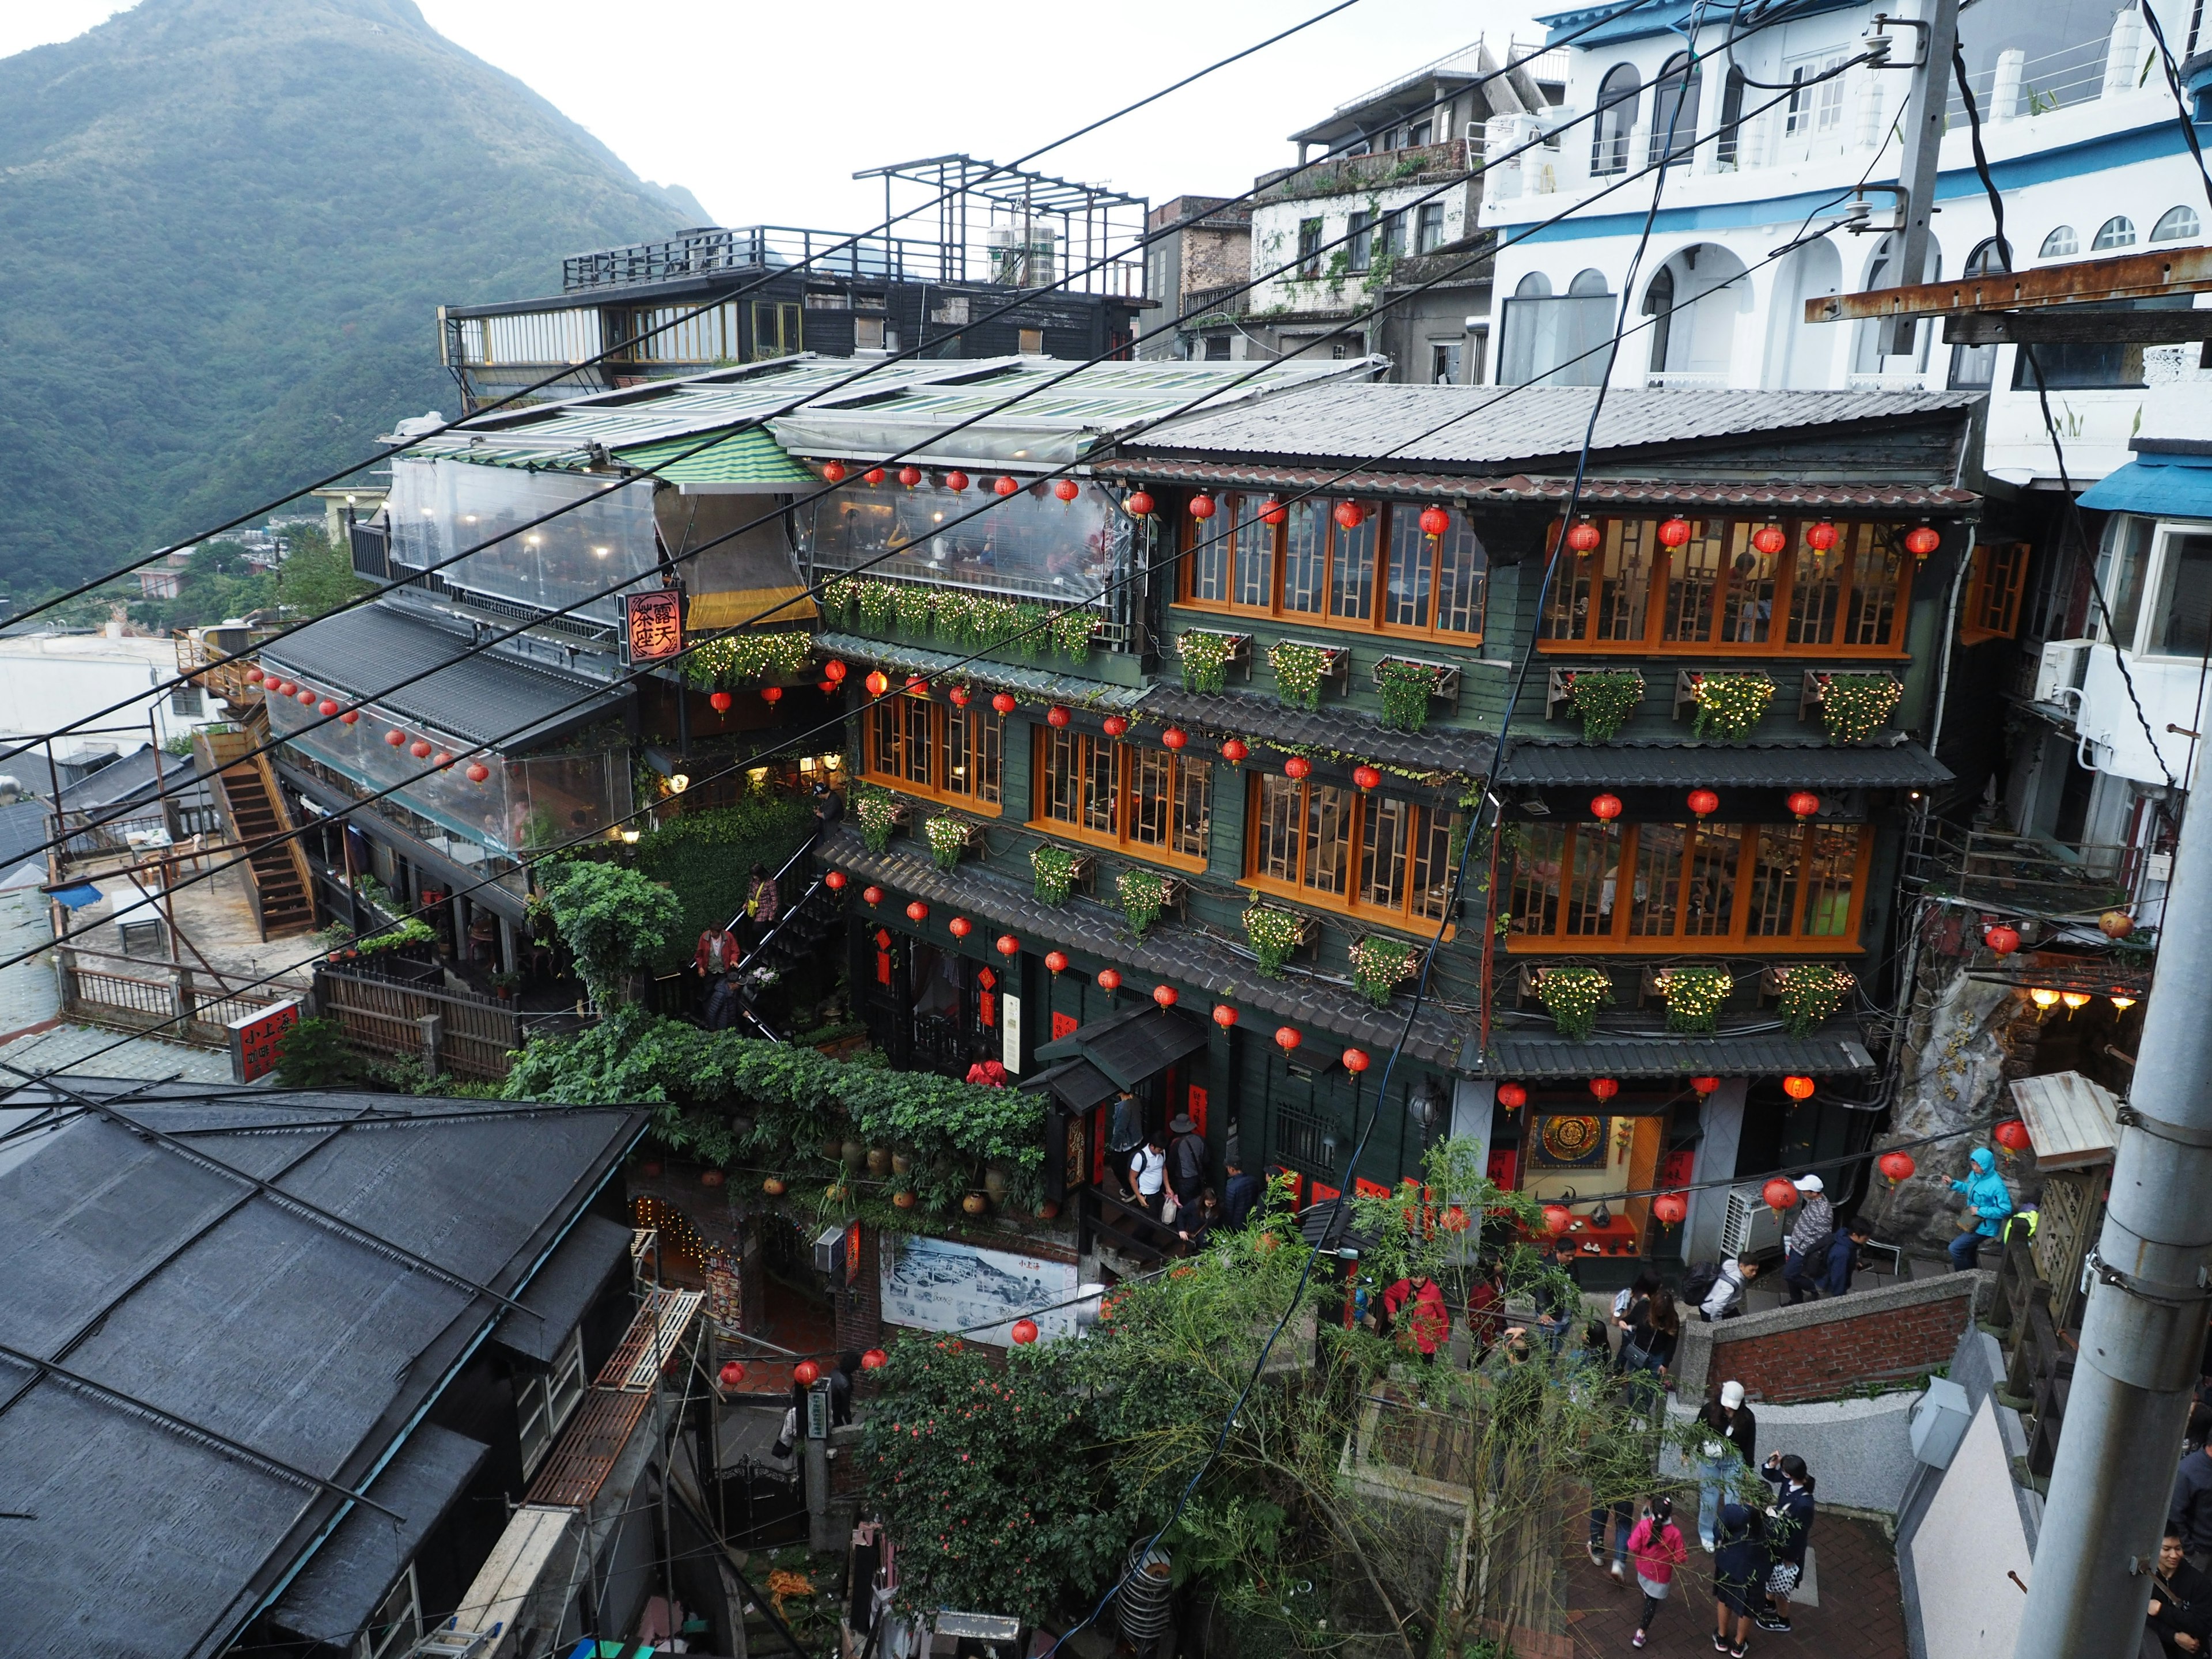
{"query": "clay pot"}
(1048, 1211)
(879, 1160)
(773, 1187)
(994, 1186)
(853, 1154)
(975, 1204)
(903, 1199)
(834, 1149)
(711, 1178)
(902, 1164)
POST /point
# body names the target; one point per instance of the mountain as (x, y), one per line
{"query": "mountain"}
(226, 227)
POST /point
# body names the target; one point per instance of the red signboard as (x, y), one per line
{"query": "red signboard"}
(652, 625)
(256, 1041)
(852, 1252)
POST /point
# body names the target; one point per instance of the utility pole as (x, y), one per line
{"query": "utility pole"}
(1923, 138)
(2142, 1334)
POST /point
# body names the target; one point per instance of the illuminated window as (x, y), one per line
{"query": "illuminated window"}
(928, 747)
(1369, 853)
(1384, 575)
(1128, 795)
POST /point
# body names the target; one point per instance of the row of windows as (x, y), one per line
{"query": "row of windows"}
(1721, 886)
(1718, 590)
(1372, 237)
(1368, 854)
(1383, 574)
(2173, 225)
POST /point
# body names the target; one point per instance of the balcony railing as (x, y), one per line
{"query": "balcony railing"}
(1228, 300)
(750, 247)
(2030, 875)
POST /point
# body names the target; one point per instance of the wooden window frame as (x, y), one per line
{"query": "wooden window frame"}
(1738, 941)
(1403, 919)
(1996, 578)
(941, 715)
(1652, 641)
(1381, 516)
(1119, 841)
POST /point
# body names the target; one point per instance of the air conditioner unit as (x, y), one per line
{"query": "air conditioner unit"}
(1748, 1227)
(2060, 668)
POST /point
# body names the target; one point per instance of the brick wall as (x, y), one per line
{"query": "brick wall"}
(1819, 1349)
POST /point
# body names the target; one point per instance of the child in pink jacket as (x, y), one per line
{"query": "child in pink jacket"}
(1657, 1548)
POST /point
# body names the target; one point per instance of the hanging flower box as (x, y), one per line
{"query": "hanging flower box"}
(1301, 668)
(1058, 872)
(1275, 934)
(1381, 963)
(1408, 684)
(1693, 994)
(1209, 654)
(1853, 706)
(1807, 994)
(1144, 894)
(879, 812)
(1572, 997)
(1605, 698)
(1731, 705)
(950, 838)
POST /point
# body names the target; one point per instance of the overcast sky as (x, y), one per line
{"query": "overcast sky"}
(764, 110)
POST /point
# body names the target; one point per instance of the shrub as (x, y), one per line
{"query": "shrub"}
(1605, 698)
(614, 920)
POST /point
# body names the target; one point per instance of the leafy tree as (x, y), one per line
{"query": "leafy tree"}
(315, 1054)
(614, 920)
(315, 577)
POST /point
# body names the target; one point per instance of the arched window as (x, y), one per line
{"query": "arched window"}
(1973, 367)
(2175, 223)
(1558, 340)
(1731, 117)
(2119, 231)
(1617, 97)
(2060, 243)
(1986, 258)
(1588, 284)
(1674, 109)
(1659, 303)
(1534, 285)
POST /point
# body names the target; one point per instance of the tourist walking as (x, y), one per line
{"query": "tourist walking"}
(1731, 1442)
(1740, 1573)
(1789, 1530)
(1805, 1256)
(1989, 1201)
(1656, 1548)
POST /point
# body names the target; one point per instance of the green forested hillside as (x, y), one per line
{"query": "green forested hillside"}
(225, 229)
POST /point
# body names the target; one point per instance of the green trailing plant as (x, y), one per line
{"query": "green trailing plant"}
(1298, 668)
(1604, 698)
(955, 617)
(614, 922)
(1072, 630)
(874, 605)
(876, 812)
(1695, 996)
(912, 604)
(1731, 704)
(1205, 657)
(1052, 871)
(1810, 993)
(1854, 707)
(412, 932)
(746, 655)
(948, 840)
(1143, 895)
(1381, 965)
(1032, 631)
(840, 602)
(1406, 688)
(1572, 997)
(1273, 933)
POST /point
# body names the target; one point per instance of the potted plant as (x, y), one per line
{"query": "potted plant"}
(505, 983)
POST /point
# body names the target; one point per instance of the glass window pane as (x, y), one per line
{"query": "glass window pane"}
(1254, 570)
(1625, 575)
(1432, 862)
(1831, 862)
(1774, 881)
(2181, 623)
(1592, 875)
(1193, 812)
(1328, 839)
(989, 760)
(1029, 543)
(1653, 906)
(1463, 566)
(914, 714)
(1406, 596)
(1383, 846)
(1816, 588)
(1151, 784)
(1536, 869)
(1063, 777)
(1567, 612)
(959, 768)
(1709, 897)
(1278, 842)
(1351, 568)
(1306, 556)
(1876, 585)
(885, 721)
(1693, 573)
(1099, 799)
(1747, 597)
(1212, 549)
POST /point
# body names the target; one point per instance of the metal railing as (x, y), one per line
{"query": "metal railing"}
(709, 252)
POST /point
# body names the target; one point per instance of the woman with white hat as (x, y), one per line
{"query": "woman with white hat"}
(1731, 1442)
(1809, 1235)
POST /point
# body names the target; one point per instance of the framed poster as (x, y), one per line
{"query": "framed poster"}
(938, 1284)
(1566, 1140)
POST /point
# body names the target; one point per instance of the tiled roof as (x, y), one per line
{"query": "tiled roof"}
(1191, 961)
(1494, 426)
(1039, 683)
(1724, 765)
(1835, 1051)
(1263, 719)
(1521, 487)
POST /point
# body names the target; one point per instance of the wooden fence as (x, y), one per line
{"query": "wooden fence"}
(462, 1032)
(128, 994)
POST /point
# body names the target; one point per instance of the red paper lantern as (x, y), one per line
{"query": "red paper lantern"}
(478, 772)
(1067, 490)
(833, 471)
(419, 749)
(910, 475)
(1798, 1088)
(835, 672)
(1366, 776)
(916, 910)
(1704, 1085)
(1453, 1220)
(1297, 766)
(1223, 1015)
(395, 738)
(1165, 995)
(1025, 1332)
(1138, 505)
(956, 481)
(305, 698)
(771, 695)
(1896, 1166)
(958, 695)
(326, 707)
(874, 1360)
(253, 677)
(1272, 512)
(960, 927)
(1174, 738)
(806, 1373)
(1109, 979)
(873, 476)
(2003, 939)
(1673, 532)
(1355, 1060)
(720, 702)
(350, 717)
(1558, 1218)
(877, 682)
(1821, 537)
(835, 881)
(871, 894)
(1434, 522)
(1004, 702)
(1768, 539)
(2012, 1135)
(1055, 962)
(1704, 802)
(1350, 514)
(1804, 804)
(1202, 507)
(1287, 1039)
(731, 1374)
(1584, 537)
(1512, 1096)
(1604, 1088)
(1780, 1194)
(1057, 715)
(1005, 486)
(1009, 946)
(1922, 541)
(285, 688)
(1605, 807)
(1234, 751)
(1115, 726)
(2116, 924)
(1670, 1209)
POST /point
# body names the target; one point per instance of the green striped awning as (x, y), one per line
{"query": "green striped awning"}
(749, 456)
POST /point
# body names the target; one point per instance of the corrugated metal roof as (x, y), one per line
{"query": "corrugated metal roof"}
(1040, 682)
(1227, 714)
(1492, 426)
(747, 456)
(1724, 765)
(1835, 1051)
(487, 698)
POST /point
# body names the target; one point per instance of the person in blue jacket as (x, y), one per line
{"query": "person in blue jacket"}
(1988, 1197)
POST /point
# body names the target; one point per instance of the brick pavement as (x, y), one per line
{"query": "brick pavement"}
(1861, 1615)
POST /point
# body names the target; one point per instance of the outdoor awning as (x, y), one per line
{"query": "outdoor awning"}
(1077, 1084)
(1722, 766)
(2073, 1120)
(559, 1291)
(340, 1590)
(746, 463)
(1831, 1053)
(2158, 485)
(1130, 1046)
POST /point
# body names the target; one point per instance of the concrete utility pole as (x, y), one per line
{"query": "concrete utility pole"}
(2143, 1332)
(1923, 138)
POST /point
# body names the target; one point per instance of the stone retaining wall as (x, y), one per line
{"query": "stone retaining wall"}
(1817, 1349)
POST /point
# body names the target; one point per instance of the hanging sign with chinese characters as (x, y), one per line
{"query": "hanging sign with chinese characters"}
(257, 1039)
(653, 625)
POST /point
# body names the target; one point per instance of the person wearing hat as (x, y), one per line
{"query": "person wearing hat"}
(1989, 1201)
(1739, 1574)
(1731, 1442)
(1186, 1161)
(1807, 1255)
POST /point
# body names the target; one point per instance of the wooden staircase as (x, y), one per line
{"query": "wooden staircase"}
(278, 883)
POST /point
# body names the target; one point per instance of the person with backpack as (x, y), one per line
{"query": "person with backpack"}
(1186, 1161)
(1989, 1201)
(1625, 1304)
(1650, 1347)
(1844, 1256)
(1657, 1548)
(1789, 1530)
(1806, 1254)
(1731, 1439)
(1716, 1288)
(1740, 1573)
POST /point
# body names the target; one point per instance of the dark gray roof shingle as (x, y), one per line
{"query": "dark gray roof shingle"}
(1231, 714)
(1723, 766)
(1835, 1051)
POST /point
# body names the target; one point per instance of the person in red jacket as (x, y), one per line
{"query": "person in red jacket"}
(1656, 1549)
(1426, 1323)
